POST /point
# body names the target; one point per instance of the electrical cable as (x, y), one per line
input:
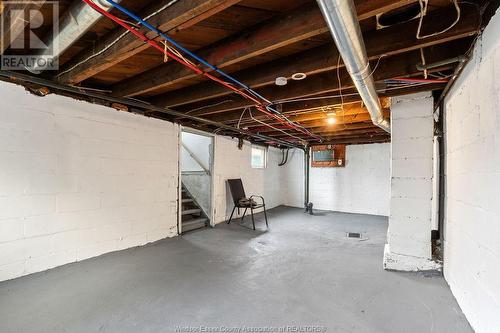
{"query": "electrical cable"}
(209, 106)
(423, 11)
(272, 127)
(107, 47)
(284, 159)
(262, 104)
(263, 108)
(337, 96)
(239, 121)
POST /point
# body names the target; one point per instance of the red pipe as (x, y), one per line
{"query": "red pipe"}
(259, 104)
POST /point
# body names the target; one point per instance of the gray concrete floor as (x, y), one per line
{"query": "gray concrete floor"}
(301, 272)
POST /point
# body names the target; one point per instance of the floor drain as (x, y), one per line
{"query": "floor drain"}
(353, 235)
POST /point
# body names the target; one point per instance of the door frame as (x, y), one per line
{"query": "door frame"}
(211, 169)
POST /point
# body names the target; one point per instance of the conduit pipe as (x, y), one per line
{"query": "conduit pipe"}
(341, 18)
(77, 20)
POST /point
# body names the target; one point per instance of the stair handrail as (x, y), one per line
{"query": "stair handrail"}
(196, 159)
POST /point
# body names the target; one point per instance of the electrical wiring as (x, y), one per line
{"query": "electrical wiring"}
(423, 11)
(284, 157)
(209, 106)
(337, 96)
(272, 127)
(412, 80)
(107, 47)
(168, 51)
(239, 121)
(422, 57)
(340, 83)
(262, 104)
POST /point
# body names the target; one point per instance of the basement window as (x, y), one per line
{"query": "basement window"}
(259, 157)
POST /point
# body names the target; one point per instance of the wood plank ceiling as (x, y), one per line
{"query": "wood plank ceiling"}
(257, 41)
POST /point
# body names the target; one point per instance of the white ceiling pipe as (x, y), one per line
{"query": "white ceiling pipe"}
(342, 20)
(77, 20)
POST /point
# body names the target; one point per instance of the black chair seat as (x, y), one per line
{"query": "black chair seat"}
(240, 200)
(247, 205)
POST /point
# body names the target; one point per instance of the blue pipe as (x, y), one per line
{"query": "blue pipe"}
(199, 59)
(183, 49)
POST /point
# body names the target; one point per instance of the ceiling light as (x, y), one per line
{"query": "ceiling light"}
(331, 120)
(281, 81)
(299, 76)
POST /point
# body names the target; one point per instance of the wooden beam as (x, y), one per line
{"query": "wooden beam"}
(231, 115)
(307, 118)
(389, 41)
(107, 52)
(396, 66)
(371, 8)
(350, 119)
(335, 129)
(291, 27)
(14, 20)
(359, 140)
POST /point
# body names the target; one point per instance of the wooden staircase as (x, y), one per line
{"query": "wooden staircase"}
(193, 216)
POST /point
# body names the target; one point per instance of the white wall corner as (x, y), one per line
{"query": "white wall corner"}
(400, 262)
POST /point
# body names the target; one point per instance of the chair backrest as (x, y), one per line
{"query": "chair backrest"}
(237, 190)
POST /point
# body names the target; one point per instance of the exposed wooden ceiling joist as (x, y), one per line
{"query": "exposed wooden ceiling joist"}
(180, 15)
(386, 42)
(291, 27)
(396, 66)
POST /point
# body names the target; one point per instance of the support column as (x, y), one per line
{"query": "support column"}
(408, 245)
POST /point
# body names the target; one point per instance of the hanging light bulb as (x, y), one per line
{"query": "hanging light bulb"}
(330, 117)
(331, 120)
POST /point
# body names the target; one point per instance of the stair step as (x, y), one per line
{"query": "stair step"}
(194, 224)
(187, 200)
(191, 211)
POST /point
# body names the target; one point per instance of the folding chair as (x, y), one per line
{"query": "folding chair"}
(241, 201)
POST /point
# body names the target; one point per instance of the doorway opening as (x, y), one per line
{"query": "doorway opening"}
(196, 168)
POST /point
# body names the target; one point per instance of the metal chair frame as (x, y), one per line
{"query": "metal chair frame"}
(238, 194)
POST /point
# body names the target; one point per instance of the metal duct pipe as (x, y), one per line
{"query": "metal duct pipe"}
(342, 20)
(77, 20)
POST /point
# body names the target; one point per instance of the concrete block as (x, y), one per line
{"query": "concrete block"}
(412, 148)
(412, 168)
(68, 202)
(411, 188)
(12, 270)
(11, 229)
(412, 128)
(399, 262)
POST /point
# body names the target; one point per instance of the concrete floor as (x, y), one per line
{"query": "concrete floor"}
(301, 272)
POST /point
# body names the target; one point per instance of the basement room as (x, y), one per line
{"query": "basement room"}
(249, 166)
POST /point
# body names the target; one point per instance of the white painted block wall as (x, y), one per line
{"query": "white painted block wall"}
(230, 162)
(362, 186)
(292, 177)
(78, 180)
(472, 207)
(408, 245)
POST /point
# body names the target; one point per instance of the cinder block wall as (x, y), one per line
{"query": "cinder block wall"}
(230, 162)
(362, 186)
(412, 127)
(472, 207)
(78, 180)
